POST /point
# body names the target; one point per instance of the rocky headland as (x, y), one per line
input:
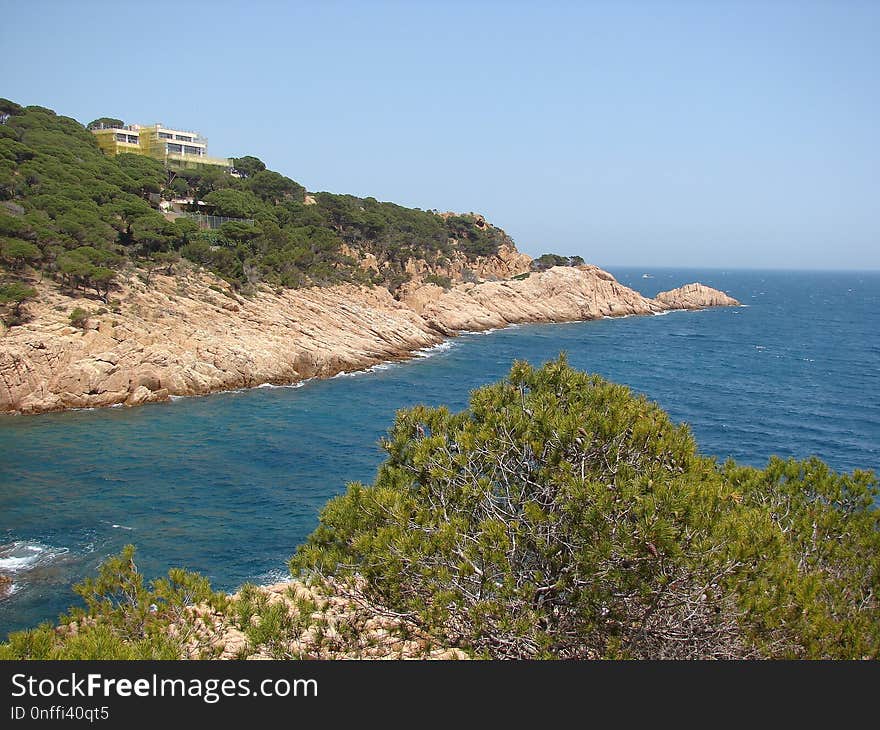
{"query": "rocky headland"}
(191, 334)
(180, 308)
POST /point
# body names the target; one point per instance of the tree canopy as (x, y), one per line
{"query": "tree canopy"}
(8, 107)
(562, 516)
(549, 260)
(248, 165)
(64, 193)
(104, 122)
(15, 294)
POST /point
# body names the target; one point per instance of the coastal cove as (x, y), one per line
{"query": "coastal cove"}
(188, 334)
(229, 484)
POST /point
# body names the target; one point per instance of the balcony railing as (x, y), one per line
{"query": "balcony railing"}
(189, 159)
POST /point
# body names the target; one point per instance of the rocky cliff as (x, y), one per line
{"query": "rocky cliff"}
(188, 334)
(561, 294)
(507, 262)
(457, 267)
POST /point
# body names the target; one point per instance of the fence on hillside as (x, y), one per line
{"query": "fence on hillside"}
(215, 221)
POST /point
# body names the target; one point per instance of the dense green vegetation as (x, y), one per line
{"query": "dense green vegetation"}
(180, 617)
(70, 212)
(548, 260)
(558, 516)
(122, 618)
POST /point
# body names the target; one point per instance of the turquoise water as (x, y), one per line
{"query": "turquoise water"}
(229, 484)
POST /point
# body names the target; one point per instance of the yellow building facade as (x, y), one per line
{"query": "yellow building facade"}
(174, 147)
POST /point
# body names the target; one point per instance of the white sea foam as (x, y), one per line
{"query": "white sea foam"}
(362, 371)
(434, 349)
(122, 527)
(299, 384)
(21, 556)
(422, 352)
(351, 373)
(271, 577)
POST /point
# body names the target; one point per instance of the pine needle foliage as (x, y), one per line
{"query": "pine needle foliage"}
(562, 516)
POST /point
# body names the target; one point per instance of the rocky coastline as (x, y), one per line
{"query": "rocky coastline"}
(190, 334)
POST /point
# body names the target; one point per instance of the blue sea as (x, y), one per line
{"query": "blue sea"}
(229, 484)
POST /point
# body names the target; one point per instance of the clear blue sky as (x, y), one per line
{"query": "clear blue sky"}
(736, 134)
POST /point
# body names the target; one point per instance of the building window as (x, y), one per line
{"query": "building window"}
(183, 138)
(192, 150)
(174, 147)
(165, 135)
(120, 137)
(132, 139)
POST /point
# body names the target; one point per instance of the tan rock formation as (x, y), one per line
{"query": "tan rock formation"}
(418, 296)
(181, 337)
(190, 335)
(366, 261)
(457, 267)
(695, 296)
(5, 585)
(507, 262)
(560, 294)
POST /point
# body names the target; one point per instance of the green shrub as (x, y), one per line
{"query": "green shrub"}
(79, 318)
(443, 281)
(123, 618)
(15, 294)
(562, 516)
